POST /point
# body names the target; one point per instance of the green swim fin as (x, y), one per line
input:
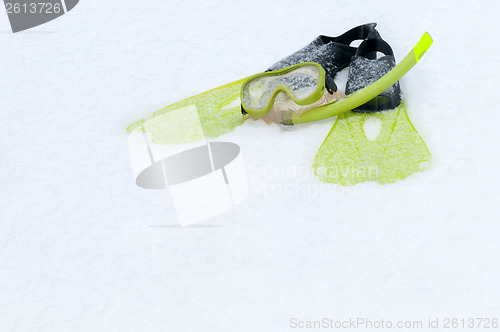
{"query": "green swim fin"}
(375, 141)
(219, 112)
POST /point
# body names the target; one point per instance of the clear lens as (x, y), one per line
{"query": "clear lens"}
(302, 82)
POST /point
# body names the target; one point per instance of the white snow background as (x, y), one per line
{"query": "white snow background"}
(82, 248)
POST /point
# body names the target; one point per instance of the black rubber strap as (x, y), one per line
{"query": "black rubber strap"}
(358, 33)
(369, 48)
(330, 85)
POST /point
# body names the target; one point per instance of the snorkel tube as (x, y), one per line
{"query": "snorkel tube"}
(363, 96)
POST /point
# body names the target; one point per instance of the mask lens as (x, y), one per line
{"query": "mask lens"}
(301, 82)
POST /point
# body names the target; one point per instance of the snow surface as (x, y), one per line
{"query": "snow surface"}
(84, 249)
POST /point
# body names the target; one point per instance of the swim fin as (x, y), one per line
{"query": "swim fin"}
(376, 141)
(218, 111)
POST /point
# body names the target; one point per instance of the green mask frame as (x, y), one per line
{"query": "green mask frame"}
(303, 82)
